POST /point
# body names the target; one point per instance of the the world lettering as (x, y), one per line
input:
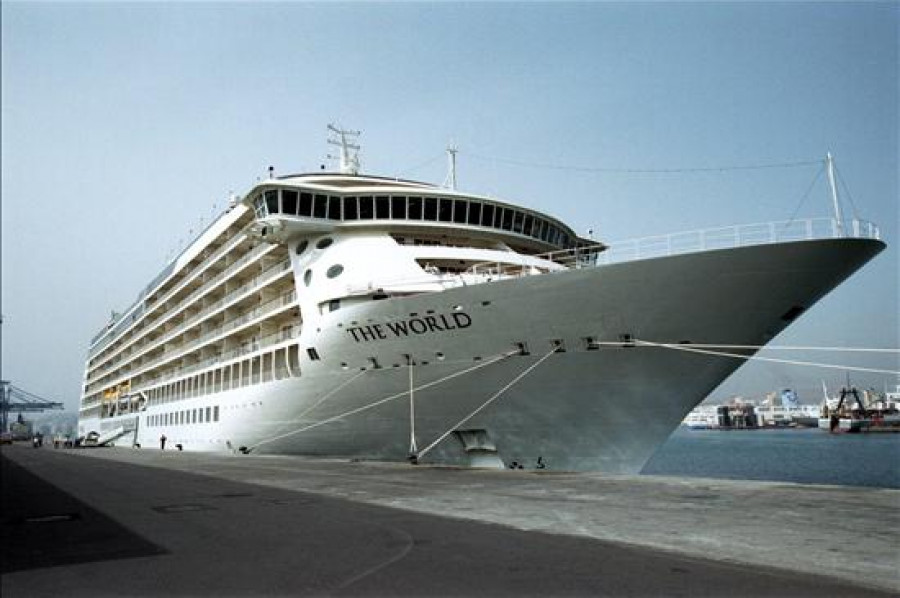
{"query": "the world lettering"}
(410, 326)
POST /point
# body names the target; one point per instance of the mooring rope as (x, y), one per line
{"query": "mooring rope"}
(698, 349)
(384, 400)
(493, 398)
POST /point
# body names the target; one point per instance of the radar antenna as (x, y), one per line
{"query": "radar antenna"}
(349, 158)
(450, 181)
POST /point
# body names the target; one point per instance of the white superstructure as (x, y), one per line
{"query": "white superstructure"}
(351, 315)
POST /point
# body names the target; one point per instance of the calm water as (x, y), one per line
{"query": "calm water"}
(808, 456)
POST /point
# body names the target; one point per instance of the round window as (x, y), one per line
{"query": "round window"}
(323, 243)
(307, 277)
(301, 247)
(334, 271)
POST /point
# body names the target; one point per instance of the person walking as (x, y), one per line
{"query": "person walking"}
(162, 442)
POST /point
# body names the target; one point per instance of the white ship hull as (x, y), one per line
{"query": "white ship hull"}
(600, 404)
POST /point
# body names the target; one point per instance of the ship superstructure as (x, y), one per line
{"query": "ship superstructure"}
(368, 317)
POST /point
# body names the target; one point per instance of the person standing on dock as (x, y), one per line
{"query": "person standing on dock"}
(162, 442)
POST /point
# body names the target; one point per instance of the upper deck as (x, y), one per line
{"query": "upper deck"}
(299, 204)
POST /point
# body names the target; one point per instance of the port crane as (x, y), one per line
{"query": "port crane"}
(13, 398)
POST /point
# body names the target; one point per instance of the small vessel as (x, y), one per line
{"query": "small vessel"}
(353, 315)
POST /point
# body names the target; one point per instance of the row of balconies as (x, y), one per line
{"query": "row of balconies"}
(162, 349)
(177, 310)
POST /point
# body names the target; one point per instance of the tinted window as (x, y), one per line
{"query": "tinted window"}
(487, 215)
(272, 201)
(498, 216)
(289, 201)
(507, 219)
(415, 208)
(474, 212)
(382, 207)
(518, 217)
(459, 210)
(324, 242)
(334, 208)
(350, 208)
(305, 204)
(431, 208)
(366, 208)
(398, 208)
(334, 271)
(445, 210)
(301, 247)
(320, 208)
(529, 221)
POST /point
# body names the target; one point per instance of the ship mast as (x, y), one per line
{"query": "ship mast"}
(349, 158)
(839, 220)
(450, 181)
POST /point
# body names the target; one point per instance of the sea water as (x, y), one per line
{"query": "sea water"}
(808, 456)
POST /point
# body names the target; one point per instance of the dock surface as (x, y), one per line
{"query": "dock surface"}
(131, 522)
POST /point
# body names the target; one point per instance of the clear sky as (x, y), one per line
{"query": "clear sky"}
(123, 125)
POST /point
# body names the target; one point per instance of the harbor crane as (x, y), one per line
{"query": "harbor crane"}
(13, 398)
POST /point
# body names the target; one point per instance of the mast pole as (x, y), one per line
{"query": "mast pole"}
(450, 181)
(839, 220)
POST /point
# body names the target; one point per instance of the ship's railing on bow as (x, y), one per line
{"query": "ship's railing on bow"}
(729, 237)
(742, 235)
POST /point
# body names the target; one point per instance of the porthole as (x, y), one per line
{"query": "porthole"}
(307, 277)
(323, 243)
(334, 271)
(301, 247)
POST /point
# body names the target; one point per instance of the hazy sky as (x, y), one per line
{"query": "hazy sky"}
(124, 124)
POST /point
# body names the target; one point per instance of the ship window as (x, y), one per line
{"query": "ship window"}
(507, 219)
(334, 305)
(216, 413)
(459, 211)
(415, 208)
(305, 204)
(259, 207)
(350, 208)
(208, 413)
(445, 210)
(320, 207)
(431, 208)
(334, 271)
(301, 247)
(529, 222)
(474, 213)
(334, 208)
(307, 277)
(498, 217)
(487, 215)
(289, 202)
(366, 208)
(313, 354)
(324, 242)
(398, 208)
(517, 221)
(272, 201)
(382, 207)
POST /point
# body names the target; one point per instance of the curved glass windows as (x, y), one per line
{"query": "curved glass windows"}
(301, 247)
(431, 208)
(305, 204)
(366, 208)
(350, 211)
(445, 210)
(320, 207)
(415, 208)
(487, 215)
(507, 219)
(334, 208)
(529, 221)
(324, 242)
(271, 201)
(398, 208)
(459, 211)
(334, 271)
(289, 202)
(382, 207)
(517, 222)
(474, 213)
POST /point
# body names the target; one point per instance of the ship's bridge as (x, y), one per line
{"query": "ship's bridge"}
(300, 205)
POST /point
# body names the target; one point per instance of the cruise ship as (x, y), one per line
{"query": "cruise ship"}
(347, 315)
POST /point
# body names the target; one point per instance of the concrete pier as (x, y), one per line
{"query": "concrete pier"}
(144, 522)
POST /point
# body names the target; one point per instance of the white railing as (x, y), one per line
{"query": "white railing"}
(736, 236)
